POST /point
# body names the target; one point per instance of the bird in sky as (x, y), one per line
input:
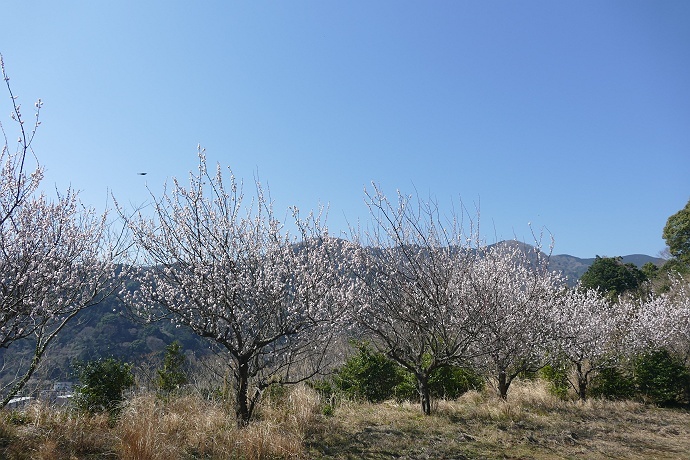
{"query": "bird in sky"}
(142, 173)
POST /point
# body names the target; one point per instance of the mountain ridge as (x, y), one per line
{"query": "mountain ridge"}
(574, 267)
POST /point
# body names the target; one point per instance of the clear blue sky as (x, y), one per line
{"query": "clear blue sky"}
(573, 115)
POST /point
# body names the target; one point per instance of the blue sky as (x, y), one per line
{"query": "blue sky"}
(572, 115)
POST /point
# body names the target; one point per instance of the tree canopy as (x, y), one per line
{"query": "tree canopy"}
(55, 258)
(611, 276)
(677, 234)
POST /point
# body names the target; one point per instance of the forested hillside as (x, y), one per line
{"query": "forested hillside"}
(105, 330)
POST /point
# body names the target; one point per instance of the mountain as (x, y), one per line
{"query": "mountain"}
(573, 267)
(105, 330)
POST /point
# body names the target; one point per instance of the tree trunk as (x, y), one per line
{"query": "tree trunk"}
(424, 393)
(242, 409)
(581, 383)
(25, 378)
(503, 384)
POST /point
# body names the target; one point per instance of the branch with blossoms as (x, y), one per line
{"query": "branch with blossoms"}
(15, 185)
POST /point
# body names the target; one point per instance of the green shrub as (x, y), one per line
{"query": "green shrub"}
(276, 393)
(102, 384)
(324, 387)
(662, 378)
(452, 381)
(613, 383)
(657, 377)
(448, 382)
(557, 376)
(328, 410)
(372, 376)
(172, 375)
(406, 389)
(367, 375)
(327, 392)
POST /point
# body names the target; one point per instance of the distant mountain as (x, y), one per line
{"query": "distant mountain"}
(104, 330)
(573, 267)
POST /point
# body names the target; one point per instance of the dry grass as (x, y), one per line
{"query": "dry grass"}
(532, 424)
(190, 427)
(148, 429)
(45, 433)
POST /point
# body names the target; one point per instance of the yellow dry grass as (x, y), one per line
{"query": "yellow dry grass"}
(186, 427)
(189, 427)
(532, 424)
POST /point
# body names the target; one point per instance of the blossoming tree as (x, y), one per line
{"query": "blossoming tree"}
(408, 297)
(678, 318)
(662, 319)
(232, 273)
(54, 260)
(591, 334)
(516, 291)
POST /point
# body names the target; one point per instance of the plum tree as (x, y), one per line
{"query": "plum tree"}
(590, 334)
(410, 272)
(518, 293)
(54, 255)
(233, 274)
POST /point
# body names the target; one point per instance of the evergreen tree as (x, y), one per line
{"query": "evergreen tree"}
(677, 234)
(172, 375)
(612, 277)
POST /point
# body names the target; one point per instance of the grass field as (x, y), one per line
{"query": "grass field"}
(532, 424)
